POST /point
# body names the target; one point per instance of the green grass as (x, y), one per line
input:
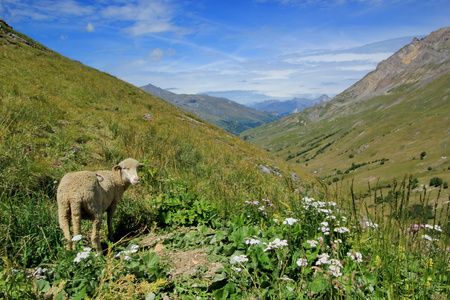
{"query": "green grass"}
(198, 190)
(396, 127)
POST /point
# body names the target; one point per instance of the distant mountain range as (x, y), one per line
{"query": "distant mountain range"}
(227, 114)
(288, 107)
(378, 127)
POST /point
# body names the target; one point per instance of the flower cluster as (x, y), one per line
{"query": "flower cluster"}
(262, 204)
(416, 227)
(252, 241)
(325, 229)
(82, 255)
(277, 243)
(341, 229)
(302, 262)
(370, 224)
(312, 243)
(290, 221)
(130, 250)
(429, 238)
(334, 264)
(356, 256)
(239, 259)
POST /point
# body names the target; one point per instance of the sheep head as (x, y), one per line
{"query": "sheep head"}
(128, 170)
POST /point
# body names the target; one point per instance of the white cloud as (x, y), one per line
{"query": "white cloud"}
(358, 68)
(46, 9)
(274, 74)
(89, 27)
(146, 17)
(156, 54)
(339, 57)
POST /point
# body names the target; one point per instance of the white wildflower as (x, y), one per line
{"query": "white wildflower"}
(357, 257)
(275, 244)
(312, 243)
(338, 241)
(435, 227)
(370, 224)
(290, 221)
(323, 259)
(325, 228)
(275, 220)
(302, 262)
(341, 229)
(252, 242)
(77, 238)
(285, 278)
(239, 259)
(429, 238)
(239, 270)
(130, 250)
(82, 255)
(335, 271)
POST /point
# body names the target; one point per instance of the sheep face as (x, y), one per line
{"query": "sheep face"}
(129, 170)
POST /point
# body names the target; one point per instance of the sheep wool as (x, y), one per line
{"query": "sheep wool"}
(87, 195)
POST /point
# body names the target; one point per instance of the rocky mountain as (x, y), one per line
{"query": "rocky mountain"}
(222, 112)
(377, 127)
(413, 66)
(288, 107)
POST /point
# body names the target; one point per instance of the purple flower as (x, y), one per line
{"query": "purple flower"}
(154, 164)
(58, 164)
(75, 149)
(27, 153)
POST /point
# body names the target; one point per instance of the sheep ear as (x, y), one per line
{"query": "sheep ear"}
(117, 168)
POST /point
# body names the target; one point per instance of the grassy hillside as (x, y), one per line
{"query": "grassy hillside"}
(214, 217)
(391, 124)
(382, 142)
(51, 105)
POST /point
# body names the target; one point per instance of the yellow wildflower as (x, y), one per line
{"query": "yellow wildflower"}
(378, 261)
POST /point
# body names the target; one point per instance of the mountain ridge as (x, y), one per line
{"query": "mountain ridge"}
(225, 113)
(287, 107)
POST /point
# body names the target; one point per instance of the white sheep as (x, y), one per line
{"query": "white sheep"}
(87, 195)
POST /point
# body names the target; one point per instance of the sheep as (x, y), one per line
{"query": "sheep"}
(87, 195)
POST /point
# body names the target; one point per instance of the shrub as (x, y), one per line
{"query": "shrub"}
(436, 181)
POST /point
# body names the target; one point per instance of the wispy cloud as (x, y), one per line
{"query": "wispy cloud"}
(145, 17)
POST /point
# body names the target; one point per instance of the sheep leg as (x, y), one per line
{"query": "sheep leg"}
(64, 223)
(95, 238)
(75, 207)
(110, 212)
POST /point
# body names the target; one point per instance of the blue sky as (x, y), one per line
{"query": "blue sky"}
(245, 50)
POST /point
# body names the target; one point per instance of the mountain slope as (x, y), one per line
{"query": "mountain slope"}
(378, 127)
(225, 113)
(58, 115)
(285, 108)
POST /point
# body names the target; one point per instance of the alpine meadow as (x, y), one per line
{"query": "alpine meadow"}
(347, 199)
